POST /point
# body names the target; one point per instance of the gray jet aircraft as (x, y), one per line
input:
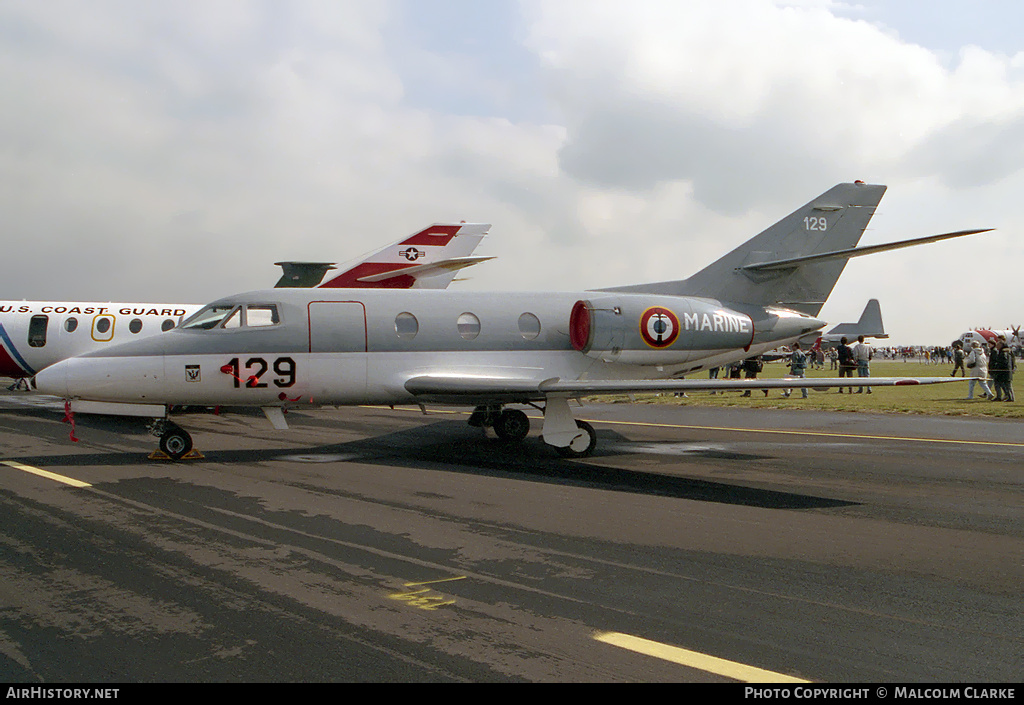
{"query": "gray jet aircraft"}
(869, 325)
(294, 348)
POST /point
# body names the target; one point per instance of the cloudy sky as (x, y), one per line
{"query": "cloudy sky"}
(173, 151)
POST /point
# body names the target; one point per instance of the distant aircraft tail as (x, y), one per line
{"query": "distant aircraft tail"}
(428, 259)
(302, 275)
(870, 324)
(796, 262)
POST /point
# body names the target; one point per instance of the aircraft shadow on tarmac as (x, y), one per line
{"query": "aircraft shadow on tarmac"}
(468, 452)
(451, 446)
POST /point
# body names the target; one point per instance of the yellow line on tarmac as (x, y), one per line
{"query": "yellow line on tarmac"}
(46, 474)
(695, 659)
(826, 434)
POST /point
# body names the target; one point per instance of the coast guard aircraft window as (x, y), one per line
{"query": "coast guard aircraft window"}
(71, 325)
(167, 325)
(135, 326)
(469, 326)
(529, 326)
(102, 328)
(37, 331)
(406, 326)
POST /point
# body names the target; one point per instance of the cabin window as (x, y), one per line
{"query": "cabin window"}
(136, 325)
(103, 328)
(529, 326)
(167, 325)
(71, 325)
(406, 326)
(469, 326)
(37, 331)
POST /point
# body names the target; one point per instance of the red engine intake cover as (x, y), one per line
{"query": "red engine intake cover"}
(579, 326)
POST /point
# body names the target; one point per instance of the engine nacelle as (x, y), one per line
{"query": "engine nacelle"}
(656, 330)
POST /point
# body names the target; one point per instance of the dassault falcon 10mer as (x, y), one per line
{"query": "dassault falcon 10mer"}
(299, 347)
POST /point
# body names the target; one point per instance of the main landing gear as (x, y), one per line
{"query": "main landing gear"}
(174, 440)
(581, 446)
(509, 424)
(570, 438)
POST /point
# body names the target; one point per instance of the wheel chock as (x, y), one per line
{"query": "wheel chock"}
(191, 455)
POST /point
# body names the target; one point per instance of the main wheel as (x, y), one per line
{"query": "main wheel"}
(176, 442)
(583, 446)
(512, 425)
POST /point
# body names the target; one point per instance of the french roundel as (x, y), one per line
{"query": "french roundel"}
(659, 327)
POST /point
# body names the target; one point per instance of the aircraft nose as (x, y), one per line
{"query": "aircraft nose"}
(52, 380)
(113, 379)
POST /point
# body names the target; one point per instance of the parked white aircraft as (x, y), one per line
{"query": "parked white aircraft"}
(984, 335)
(36, 334)
(299, 347)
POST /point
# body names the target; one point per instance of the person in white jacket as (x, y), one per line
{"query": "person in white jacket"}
(977, 363)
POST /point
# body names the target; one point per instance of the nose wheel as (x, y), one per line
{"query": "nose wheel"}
(174, 440)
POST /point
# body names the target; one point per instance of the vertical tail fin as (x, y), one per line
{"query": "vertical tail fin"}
(428, 259)
(833, 221)
(870, 324)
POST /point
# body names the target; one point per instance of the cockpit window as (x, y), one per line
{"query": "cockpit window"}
(262, 315)
(208, 318)
(234, 320)
(233, 317)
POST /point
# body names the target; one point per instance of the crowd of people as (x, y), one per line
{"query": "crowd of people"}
(995, 363)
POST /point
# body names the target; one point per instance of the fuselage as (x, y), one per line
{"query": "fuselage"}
(293, 347)
(985, 335)
(36, 334)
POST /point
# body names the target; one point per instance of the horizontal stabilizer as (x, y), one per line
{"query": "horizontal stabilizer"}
(792, 262)
(426, 270)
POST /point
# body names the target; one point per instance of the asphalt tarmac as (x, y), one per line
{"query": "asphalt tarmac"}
(370, 544)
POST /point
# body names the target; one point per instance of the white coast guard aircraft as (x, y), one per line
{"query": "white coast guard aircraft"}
(36, 334)
(299, 347)
(984, 335)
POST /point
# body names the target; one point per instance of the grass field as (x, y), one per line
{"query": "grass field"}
(939, 399)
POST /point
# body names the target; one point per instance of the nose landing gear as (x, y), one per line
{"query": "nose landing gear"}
(175, 441)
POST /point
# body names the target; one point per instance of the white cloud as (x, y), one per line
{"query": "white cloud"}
(759, 106)
(739, 97)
